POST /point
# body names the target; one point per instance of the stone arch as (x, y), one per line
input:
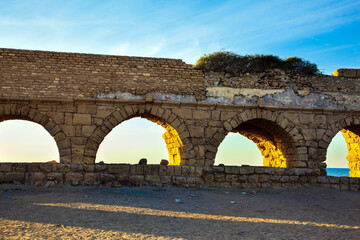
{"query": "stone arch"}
(274, 134)
(349, 126)
(24, 112)
(176, 136)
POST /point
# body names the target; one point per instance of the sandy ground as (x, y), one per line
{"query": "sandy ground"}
(150, 213)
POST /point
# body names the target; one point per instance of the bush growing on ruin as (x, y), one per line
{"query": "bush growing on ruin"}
(230, 62)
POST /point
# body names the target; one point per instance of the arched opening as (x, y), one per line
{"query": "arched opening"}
(336, 152)
(138, 137)
(26, 141)
(275, 144)
(236, 149)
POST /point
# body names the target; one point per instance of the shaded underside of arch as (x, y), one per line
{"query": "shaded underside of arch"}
(171, 137)
(274, 142)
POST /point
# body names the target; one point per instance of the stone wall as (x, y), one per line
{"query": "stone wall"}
(80, 98)
(40, 74)
(116, 175)
(278, 79)
(286, 137)
(346, 72)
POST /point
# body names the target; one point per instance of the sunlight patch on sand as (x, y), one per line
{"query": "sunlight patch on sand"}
(15, 229)
(164, 213)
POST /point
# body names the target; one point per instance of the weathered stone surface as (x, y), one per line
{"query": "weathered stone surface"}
(54, 176)
(45, 167)
(82, 119)
(74, 176)
(39, 176)
(119, 168)
(107, 177)
(153, 178)
(5, 167)
(247, 170)
(14, 176)
(90, 177)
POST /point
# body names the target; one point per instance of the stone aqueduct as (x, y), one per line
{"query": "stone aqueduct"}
(80, 98)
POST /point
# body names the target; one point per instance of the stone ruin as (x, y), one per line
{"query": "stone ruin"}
(80, 98)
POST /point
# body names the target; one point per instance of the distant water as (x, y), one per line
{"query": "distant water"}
(338, 172)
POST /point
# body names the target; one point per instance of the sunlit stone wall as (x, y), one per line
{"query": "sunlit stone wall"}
(173, 142)
(353, 145)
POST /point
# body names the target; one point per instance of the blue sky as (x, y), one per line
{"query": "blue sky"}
(324, 32)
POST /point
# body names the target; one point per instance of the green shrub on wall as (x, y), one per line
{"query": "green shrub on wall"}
(229, 62)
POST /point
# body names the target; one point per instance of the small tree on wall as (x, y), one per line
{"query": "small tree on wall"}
(230, 62)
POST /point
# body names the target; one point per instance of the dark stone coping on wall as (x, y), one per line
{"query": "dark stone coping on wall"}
(115, 175)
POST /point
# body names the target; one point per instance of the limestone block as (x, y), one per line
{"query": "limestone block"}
(254, 178)
(77, 168)
(69, 130)
(119, 168)
(147, 169)
(162, 170)
(74, 176)
(179, 180)
(232, 170)
(153, 178)
(5, 167)
(303, 179)
(54, 176)
(39, 176)
(107, 177)
(243, 178)
(45, 167)
(20, 167)
(344, 186)
(259, 170)
(100, 168)
(63, 168)
(266, 185)
(201, 114)
(155, 169)
(177, 170)
(333, 180)
(122, 178)
(231, 178)
(91, 177)
(247, 170)
(136, 178)
(87, 108)
(103, 112)
(196, 131)
(166, 179)
(208, 178)
(294, 179)
(285, 179)
(263, 178)
(82, 119)
(32, 167)
(322, 179)
(14, 176)
(275, 178)
(219, 177)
